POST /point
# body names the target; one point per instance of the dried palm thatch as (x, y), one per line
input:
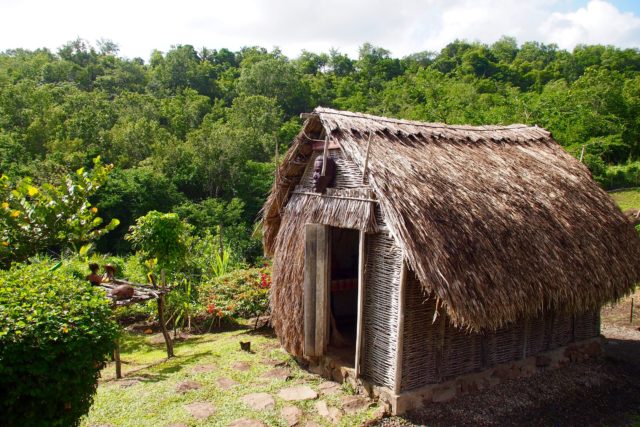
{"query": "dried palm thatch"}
(499, 223)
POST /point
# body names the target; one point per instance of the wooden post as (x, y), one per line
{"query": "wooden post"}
(361, 272)
(323, 265)
(116, 358)
(631, 313)
(309, 293)
(397, 386)
(581, 154)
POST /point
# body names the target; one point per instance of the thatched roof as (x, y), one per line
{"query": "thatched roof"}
(497, 222)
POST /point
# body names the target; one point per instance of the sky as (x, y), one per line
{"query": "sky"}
(401, 26)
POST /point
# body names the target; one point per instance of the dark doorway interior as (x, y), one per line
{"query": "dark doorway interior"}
(344, 293)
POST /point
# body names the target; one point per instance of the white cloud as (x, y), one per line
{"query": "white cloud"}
(597, 23)
(402, 26)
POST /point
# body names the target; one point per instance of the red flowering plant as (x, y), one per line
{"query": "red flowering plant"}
(238, 294)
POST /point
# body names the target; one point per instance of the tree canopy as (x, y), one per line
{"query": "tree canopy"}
(196, 130)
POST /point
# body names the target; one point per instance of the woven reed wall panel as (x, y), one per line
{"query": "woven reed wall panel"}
(462, 352)
(561, 332)
(586, 325)
(382, 280)
(535, 336)
(504, 345)
(348, 175)
(420, 337)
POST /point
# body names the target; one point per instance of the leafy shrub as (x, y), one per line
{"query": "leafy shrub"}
(162, 236)
(55, 334)
(241, 293)
(34, 218)
(618, 176)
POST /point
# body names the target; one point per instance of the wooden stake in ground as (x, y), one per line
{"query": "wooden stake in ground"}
(116, 358)
(631, 313)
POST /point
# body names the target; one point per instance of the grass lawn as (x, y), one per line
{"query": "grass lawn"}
(148, 394)
(627, 199)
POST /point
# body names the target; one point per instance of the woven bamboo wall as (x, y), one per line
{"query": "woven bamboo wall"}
(382, 280)
(420, 345)
(435, 351)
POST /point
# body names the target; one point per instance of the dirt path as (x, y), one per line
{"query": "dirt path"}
(606, 392)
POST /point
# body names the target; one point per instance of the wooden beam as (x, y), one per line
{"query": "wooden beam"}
(397, 386)
(325, 154)
(366, 160)
(332, 196)
(309, 292)
(323, 266)
(361, 271)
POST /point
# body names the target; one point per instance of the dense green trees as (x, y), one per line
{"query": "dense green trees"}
(196, 130)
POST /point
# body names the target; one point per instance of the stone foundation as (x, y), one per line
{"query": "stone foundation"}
(464, 384)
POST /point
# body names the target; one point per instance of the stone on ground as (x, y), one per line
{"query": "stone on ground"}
(291, 414)
(200, 410)
(329, 412)
(297, 393)
(329, 387)
(272, 362)
(353, 404)
(200, 369)
(259, 401)
(246, 422)
(226, 383)
(241, 366)
(282, 374)
(158, 339)
(188, 385)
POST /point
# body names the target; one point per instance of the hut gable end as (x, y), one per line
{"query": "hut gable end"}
(497, 222)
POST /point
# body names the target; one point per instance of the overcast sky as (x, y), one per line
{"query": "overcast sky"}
(402, 26)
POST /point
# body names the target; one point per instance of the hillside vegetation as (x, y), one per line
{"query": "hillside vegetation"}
(195, 131)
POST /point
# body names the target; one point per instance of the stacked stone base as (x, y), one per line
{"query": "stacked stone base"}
(464, 384)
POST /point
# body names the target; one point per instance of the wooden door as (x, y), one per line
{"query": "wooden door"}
(317, 267)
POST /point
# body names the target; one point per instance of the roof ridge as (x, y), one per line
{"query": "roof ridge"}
(322, 110)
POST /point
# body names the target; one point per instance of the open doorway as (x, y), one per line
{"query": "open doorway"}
(344, 293)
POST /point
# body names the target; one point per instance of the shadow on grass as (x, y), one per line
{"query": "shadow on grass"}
(175, 364)
(265, 331)
(130, 343)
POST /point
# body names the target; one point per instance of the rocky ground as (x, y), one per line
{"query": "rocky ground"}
(213, 382)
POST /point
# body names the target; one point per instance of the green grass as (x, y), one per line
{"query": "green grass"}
(154, 401)
(628, 199)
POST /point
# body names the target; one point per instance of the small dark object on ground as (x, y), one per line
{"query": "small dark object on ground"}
(245, 346)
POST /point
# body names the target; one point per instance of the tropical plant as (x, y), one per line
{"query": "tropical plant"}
(36, 218)
(161, 236)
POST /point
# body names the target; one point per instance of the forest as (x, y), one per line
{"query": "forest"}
(195, 132)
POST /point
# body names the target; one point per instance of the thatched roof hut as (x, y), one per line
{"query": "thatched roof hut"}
(496, 223)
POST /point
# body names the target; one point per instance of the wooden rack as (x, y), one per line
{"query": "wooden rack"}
(142, 294)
